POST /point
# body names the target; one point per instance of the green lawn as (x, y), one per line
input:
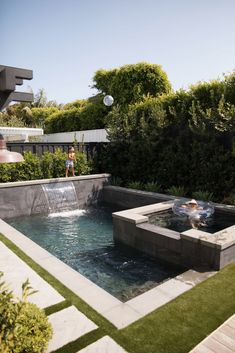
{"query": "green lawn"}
(174, 328)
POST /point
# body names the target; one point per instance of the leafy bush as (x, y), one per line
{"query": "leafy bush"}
(152, 186)
(131, 83)
(183, 139)
(86, 116)
(24, 328)
(40, 115)
(47, 163)
(50, 165)
(30, 169)
(177, 191)
(135, 185)
(203, 195)
(58, 165)
(116, 181)
(230, 200)
(62, 121)
(82, 166)
(5, 172)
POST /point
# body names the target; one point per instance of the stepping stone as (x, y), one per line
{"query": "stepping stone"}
(17, 271)
(104, 345)
(68, 325)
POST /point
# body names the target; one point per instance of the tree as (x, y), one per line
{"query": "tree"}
(132, 83)
(40, 99)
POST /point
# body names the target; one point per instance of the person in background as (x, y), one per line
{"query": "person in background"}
(70, 162)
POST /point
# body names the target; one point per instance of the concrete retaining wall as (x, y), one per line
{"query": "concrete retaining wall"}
(27, 198)
(128, 198)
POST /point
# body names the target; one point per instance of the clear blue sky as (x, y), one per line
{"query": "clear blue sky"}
(65, 42)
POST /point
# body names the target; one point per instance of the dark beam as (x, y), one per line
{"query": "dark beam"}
(21, 97)
(9, 78)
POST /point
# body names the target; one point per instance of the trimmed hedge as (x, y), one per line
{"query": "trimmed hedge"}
(184, 140)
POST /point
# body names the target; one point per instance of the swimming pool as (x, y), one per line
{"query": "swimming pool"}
(84, 241)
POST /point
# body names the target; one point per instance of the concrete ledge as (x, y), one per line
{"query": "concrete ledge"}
(52, 180)
(190, 248)
(219, 240)
(137, 215)
(26, 198)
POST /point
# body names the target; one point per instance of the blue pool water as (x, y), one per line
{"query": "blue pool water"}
(167, 219)
(84, 241)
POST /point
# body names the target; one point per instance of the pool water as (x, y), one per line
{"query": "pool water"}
(84, 241)
(167, 219)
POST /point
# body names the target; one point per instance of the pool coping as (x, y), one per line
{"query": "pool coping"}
(221, 239)
(118, 313)
(53, 180)
(216, 250)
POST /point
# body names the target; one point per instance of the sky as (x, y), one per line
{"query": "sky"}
(65, 42)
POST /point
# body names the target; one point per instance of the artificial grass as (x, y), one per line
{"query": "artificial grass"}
(173, 328)
(181, 324)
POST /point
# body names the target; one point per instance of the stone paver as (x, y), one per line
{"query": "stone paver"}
(123, 315)
(104, 345)
(68, 325)
(222, 340)
(16, 272)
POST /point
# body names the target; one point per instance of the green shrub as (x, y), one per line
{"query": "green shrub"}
(47, 162)
(82, 166)
(177, 191)
(116, 181)
(63, 121)
(40, 115)
(203, 195)
(183, 139)
(24, 328)
(30, 169)
(230, 200)
(152, 186)
(135, 185)
(5, 172)
(131, 83)
(50, 165)
(58, 165)
(76, 117)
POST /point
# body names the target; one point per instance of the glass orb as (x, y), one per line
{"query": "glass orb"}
(108, 100)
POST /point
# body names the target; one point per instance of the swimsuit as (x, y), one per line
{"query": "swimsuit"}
(69, 163)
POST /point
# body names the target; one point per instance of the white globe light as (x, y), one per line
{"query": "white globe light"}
(108, 100)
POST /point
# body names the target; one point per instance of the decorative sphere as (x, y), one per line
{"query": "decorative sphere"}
(108, 101)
